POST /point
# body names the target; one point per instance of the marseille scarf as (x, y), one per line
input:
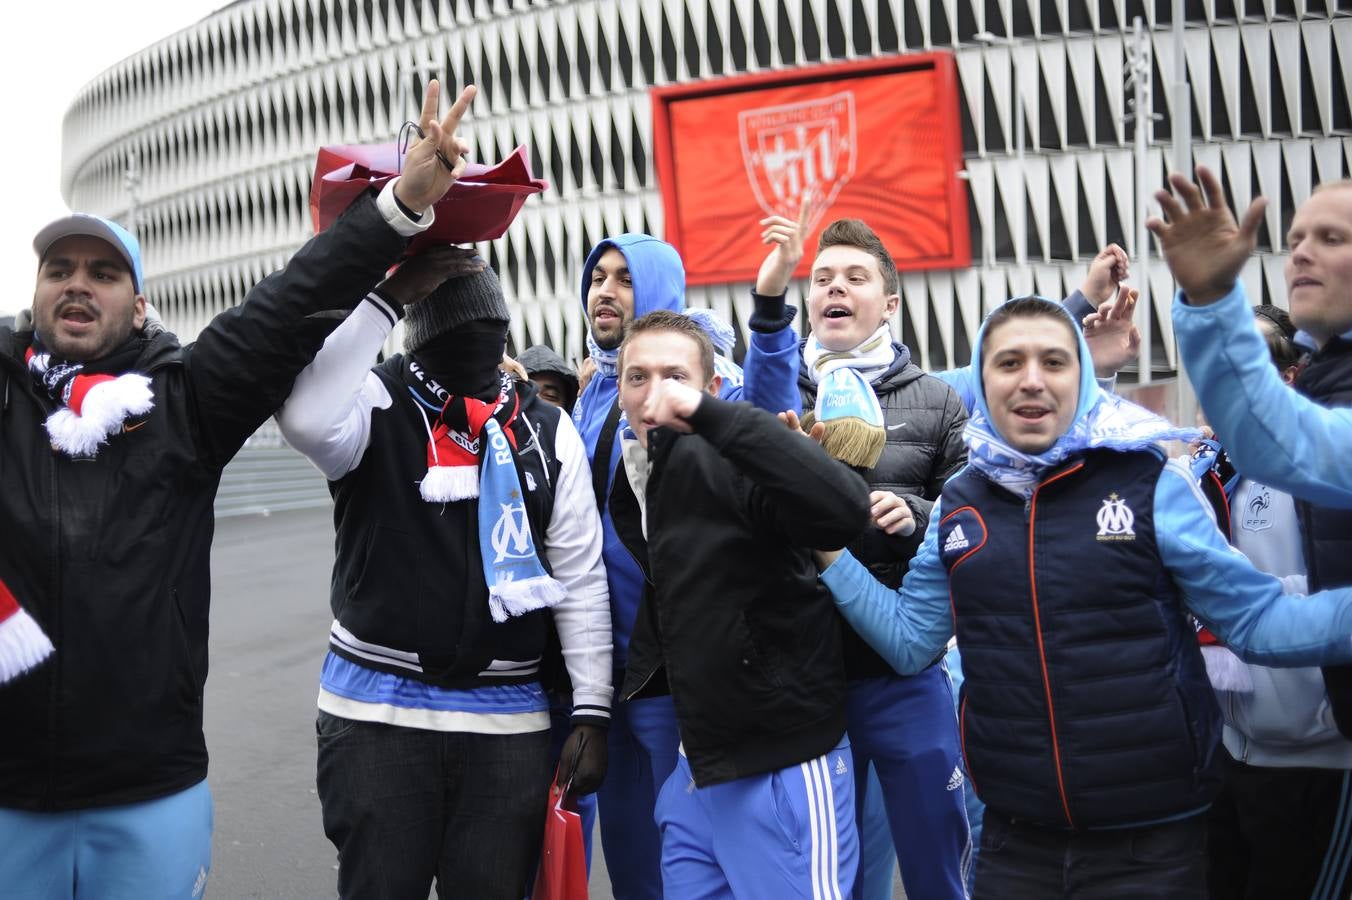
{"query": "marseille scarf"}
(846, 402)
(471, 453)
(94, 403)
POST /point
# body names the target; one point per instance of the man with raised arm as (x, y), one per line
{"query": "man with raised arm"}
(112, 444)
(1064, 556)
(1296, 440)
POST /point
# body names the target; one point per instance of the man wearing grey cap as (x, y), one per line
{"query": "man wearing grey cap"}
(465, 528)
(112, 443)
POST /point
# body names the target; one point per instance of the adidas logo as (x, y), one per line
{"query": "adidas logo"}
(841, 768)
(201, 882)
(956, 540)
(956, 780)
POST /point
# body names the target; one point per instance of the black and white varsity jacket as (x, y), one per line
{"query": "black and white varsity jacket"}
(408, 591)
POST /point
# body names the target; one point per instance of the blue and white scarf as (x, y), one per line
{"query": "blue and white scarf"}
(517, 581)
(1101, 420)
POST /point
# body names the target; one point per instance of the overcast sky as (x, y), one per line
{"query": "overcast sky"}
(48, 52)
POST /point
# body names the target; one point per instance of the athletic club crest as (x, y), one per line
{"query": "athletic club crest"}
(1115, 520)
(790, 148)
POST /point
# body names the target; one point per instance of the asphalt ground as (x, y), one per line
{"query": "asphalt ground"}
(269, 633)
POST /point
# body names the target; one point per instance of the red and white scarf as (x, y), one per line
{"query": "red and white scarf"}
(455, 443)
(23, 644)
(93, 407)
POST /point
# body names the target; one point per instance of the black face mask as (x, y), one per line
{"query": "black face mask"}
(465, 359)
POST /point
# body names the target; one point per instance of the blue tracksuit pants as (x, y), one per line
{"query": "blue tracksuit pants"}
(784, 835)
(906, 728)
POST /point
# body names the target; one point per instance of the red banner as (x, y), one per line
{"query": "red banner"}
(877, 140)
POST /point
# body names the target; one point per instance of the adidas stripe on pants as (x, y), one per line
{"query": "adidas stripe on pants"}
(778, 836)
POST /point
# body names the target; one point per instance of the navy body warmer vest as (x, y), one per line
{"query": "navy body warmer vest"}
(1326, 533)
(1086, 702)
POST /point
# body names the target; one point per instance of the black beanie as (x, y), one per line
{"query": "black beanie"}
(471, 298)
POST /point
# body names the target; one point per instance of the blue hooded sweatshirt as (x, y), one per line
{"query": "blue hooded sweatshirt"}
(658, 278)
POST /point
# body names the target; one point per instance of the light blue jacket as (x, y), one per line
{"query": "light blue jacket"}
(1245, 608)
(1273, 434)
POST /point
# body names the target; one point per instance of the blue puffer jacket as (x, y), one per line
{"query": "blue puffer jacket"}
(658, 279)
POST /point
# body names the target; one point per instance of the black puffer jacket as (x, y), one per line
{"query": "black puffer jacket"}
(111, 555)
(924, 419)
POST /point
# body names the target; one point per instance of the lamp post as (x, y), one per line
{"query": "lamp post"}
(1021, 243)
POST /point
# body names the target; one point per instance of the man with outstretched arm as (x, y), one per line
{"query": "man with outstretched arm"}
(1065, 555)
(1297, 440)
(112, 444)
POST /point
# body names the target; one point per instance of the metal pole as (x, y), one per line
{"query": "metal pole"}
(131, 180)
(1182, 120)
(1021, 248)
(1141, 74)
(1181, 133)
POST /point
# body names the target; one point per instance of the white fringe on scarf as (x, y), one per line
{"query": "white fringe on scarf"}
(23, 645)
(105, 408)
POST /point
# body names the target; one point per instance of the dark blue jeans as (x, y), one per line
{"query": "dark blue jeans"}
(1019, 861)
(404, 806)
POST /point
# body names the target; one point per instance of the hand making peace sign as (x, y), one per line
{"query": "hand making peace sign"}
(434, 163)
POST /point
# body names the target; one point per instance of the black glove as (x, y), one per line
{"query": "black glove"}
(583, 759)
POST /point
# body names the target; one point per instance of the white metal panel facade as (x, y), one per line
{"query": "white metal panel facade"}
(224, 119)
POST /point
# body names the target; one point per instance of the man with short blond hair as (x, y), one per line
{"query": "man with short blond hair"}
(719, 503)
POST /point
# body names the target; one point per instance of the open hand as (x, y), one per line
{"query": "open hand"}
(1111, 334)
(790, 418)
(433, 164)
(1202, 243)
(786, 237)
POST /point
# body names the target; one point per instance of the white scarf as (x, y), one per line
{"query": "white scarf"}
(871, 358)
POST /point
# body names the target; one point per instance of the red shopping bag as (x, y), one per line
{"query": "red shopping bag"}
(563, 857)
(478, 207)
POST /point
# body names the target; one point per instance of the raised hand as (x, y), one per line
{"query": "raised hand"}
(1107, 270)
(1204, 246)
(434, 163)
(420, 275)
(787, 238)
(1111, 334)
(790, 418)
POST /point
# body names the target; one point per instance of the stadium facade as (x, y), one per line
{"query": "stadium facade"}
(221, 122)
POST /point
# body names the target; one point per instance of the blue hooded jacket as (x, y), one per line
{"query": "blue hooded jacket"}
(658, 278)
